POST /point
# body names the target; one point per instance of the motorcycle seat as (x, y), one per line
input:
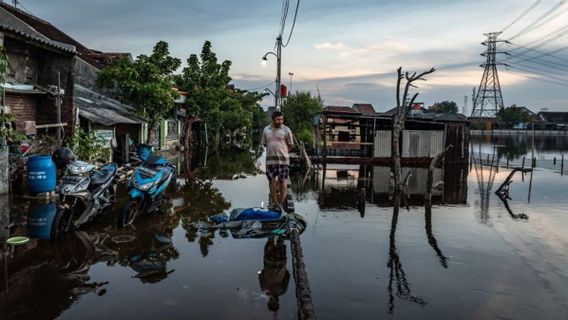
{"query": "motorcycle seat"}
(104, 174)
(154, 160)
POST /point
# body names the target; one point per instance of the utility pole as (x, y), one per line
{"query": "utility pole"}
(58, 104)
(489, 99)
(278, 69)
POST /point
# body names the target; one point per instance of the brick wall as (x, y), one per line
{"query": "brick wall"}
(23, 107)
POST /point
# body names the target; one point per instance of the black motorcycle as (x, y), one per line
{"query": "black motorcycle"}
(85, 193)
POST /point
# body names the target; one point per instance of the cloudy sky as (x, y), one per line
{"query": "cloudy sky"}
(349, 48)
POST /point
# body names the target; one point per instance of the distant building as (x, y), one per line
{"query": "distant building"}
(553, 119)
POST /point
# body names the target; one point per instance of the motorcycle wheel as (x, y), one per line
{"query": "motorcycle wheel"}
(128, 213)
(60, 224)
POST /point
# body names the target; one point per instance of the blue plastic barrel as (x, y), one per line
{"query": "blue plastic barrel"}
(144, 151)
(40, 220)
(41, 174)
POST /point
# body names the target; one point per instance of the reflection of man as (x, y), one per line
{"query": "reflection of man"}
(274, 277)
(278, 141)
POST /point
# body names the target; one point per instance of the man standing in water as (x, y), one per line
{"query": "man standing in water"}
(278, 140)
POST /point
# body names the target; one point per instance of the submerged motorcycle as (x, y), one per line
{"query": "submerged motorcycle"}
(146, 188)
(85, 193)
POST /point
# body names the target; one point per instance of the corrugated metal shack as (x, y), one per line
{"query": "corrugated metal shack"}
(344, 135)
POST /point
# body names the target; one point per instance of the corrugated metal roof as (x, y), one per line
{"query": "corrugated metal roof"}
(103, 110)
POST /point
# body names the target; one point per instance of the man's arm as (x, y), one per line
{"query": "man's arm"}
(263, 138)
(290, 140)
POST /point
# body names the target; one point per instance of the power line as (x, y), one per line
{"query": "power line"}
(542, 53)
(537, 78)
(531, 25)
(537, 60)
(539, 72)
(261, 87)
(293, 24)
(522, 15)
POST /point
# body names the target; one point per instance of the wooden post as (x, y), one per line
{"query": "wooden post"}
(126, 149)
(523, 167)
(562, 166)
(507, 162)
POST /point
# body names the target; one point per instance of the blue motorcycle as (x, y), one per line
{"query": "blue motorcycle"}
(146, 187)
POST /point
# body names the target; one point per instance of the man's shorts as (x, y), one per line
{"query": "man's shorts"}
(279, 171)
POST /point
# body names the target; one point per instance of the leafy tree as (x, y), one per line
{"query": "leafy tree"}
(89, 147)
(445, 107)
(211, 97)
(298, 112)
(512, 115)
(145, 83)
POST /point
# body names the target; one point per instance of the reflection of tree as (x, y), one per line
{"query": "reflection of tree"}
(431, 239)
(398, 284)
(224, 164)
(203, 200)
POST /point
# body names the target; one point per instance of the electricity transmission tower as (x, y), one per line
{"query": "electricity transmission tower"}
(489, 98)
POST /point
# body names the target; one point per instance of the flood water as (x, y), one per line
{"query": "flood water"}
(474, 257)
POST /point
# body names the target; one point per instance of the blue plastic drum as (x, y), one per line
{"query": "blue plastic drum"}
(40, 220)
(41, 174)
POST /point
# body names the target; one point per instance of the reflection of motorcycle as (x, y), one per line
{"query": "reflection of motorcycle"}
(147, 250)
(146, 188)
(46, 278)
(85, 193)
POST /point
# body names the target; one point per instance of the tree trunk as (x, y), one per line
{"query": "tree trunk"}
(430, 178)
(396, 158)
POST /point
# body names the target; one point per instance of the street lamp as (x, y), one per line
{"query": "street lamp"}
(278, 56)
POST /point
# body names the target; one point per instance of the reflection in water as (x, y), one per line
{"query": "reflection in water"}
(485, 178)
(376, 183)
(55, 270)
(398, 284)
(274, 277)
(150, 250)
(431, 239)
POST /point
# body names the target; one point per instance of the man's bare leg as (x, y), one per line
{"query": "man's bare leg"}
(273, 191)
(283, 191)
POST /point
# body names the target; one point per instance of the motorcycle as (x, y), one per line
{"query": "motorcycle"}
(85, 193)
(146, 188)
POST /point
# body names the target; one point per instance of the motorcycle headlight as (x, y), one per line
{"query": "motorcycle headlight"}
(147, 186)
(82, 185)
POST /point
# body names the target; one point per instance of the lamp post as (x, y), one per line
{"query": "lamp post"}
(278, 56)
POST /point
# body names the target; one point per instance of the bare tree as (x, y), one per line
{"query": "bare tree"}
(403, 107)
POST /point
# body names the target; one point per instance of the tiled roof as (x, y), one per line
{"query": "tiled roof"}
(95, 58)
(364, 108)
(26, 36)
(340, 109)
(43, 27)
